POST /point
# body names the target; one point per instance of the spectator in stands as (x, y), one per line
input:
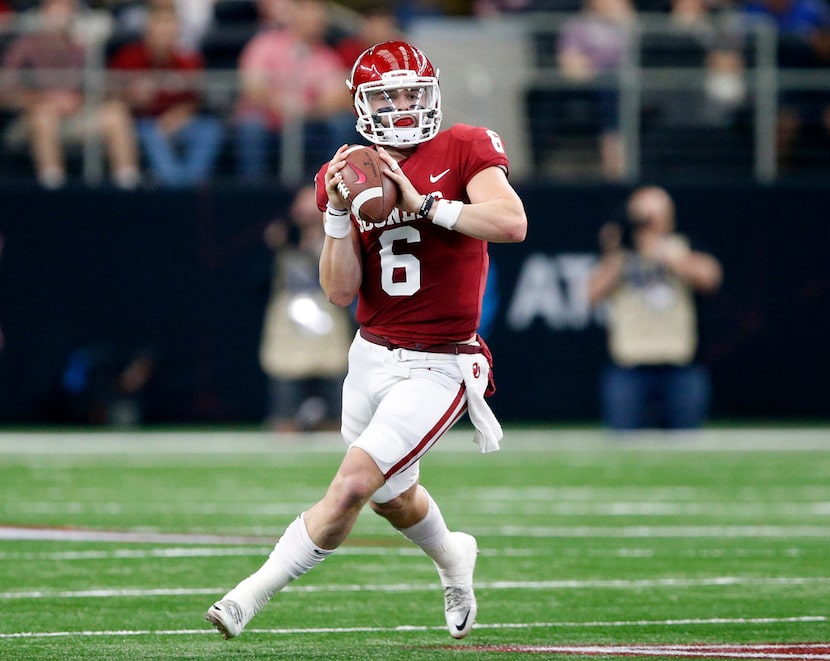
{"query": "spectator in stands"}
(43, 79)
(231, 26)
(649, 276)
(161, 84)
(698, 36)
(128, 18)
(305, 339)
(803, 27)
(274, 13)
(803, 42)
(377, 24)
(195, 17)
(291, 75)
(591, 47)
(131, 16)
(722, 38)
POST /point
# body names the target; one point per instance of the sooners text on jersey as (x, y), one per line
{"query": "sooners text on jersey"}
(423, 284)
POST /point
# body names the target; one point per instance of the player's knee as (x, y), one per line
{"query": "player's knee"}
(387, 509)
(352, 490)
(393, 507)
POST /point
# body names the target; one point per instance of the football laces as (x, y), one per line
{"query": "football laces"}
(343, 190)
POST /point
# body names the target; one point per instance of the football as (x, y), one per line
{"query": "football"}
(371, 196)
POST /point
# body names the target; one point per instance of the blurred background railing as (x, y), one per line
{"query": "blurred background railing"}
(690, 100)
(700, 101)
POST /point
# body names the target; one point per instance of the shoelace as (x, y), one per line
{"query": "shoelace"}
(456, 598)
(232, 608)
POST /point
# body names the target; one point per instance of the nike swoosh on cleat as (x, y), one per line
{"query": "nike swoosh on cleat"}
(433, 178)
(460, 627)
(361, 177)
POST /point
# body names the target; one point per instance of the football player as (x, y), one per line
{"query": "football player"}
(416, 364)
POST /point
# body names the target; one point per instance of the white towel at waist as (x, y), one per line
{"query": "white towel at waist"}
(488, 431)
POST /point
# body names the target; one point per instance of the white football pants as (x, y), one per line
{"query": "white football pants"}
(396, 405)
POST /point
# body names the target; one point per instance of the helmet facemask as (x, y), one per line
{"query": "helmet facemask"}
(379, 119)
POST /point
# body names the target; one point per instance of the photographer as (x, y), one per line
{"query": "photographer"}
(649, 276)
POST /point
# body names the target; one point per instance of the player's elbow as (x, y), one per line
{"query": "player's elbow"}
(341, 299)
(340, 285)
(514, 229)
(338, 293)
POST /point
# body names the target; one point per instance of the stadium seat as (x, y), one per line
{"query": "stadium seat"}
(234, 23)
(565, 127)
(671, 49)
(698, 151)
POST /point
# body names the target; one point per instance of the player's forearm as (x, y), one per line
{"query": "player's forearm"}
(501, 220)
(340, 270)
(495, 212)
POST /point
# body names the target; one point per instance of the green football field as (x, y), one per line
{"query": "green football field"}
(713, 545)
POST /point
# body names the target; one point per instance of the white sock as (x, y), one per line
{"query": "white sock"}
(432, 536)
(293, 555)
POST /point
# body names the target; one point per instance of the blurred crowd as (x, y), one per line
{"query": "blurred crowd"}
(286, 109)
(154, 120)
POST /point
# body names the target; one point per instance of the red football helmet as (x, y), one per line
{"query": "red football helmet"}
(396, 97)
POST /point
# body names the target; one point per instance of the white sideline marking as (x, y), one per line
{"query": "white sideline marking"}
(717, 581)
(506, 626)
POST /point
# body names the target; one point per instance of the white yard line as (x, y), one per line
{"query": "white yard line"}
(657, 531)
(397, 551)
(553, 505)
(616, 584)
(797, 619)
(679, 532)
(63, 443)
(247, 551)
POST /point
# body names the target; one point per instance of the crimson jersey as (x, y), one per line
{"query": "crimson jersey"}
(423, 284)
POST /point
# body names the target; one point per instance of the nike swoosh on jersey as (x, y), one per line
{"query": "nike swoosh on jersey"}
(361, 177)
(433, 178)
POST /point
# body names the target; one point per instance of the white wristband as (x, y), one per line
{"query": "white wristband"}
(337, 225)
(447, 213)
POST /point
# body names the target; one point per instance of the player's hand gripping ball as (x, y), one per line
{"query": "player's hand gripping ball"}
(371, 195)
